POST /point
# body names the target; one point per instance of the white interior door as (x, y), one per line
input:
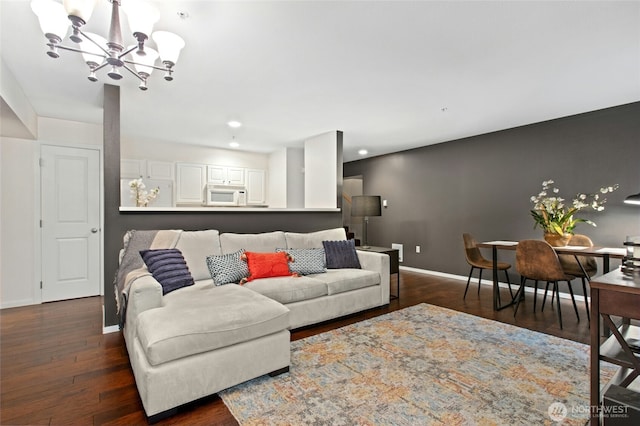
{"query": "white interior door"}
(70, 197)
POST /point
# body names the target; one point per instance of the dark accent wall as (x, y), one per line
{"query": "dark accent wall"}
(117, 223)
(483, 184)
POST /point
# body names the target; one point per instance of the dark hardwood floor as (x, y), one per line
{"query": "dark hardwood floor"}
(58, 368)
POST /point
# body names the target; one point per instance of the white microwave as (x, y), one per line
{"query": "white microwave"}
(225, 195)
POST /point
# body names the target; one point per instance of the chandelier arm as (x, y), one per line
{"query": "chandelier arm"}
(132, 72)
(73, 49)
(102, 65)
(120, 56)
(106, 52)
(155, 67)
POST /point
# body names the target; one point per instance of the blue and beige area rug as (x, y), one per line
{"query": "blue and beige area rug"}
(423, 365)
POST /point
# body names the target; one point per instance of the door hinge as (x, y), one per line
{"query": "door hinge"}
(40, 223)
(40, 285)
(41, 162)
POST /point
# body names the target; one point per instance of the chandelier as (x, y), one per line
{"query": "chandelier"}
(111, 53)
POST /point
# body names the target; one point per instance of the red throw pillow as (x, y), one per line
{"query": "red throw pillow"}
(265, 265)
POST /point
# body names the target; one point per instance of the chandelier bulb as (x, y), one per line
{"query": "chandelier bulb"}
(92, 71)
(114, 73)
(141, 38)
(75, 35)
(53, 51)
(167, 75)
(53, 39)
(143, 85)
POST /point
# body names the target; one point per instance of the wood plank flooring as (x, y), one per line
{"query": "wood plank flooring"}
(57, 368)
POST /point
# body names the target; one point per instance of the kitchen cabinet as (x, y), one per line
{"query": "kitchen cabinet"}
(160, 170)
(146, 169)
(223, 175)
(132, 169)
(256, 186)
(190, 183)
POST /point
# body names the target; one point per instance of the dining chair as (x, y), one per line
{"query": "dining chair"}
(477, 261)
(537, 260)
(571, 265)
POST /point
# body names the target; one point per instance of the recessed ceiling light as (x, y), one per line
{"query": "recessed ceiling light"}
(234, 144)
(363, 152)
(234, 124)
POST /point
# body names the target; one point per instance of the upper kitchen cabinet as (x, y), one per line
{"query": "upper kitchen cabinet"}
(146, 169)
(223, 175)
(160, 170)
(132, 169)
(190, 182)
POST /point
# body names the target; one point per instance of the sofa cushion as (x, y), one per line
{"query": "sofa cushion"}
(341, 254)
(289, 289)
(343, 280)
(307, 260)
(195, 246)
(264, 242)
(228, 268)
(218, 317)
(168, 267)
(267, 265)
(313, 239)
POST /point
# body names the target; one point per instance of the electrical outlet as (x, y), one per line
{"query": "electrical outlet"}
(417, 249)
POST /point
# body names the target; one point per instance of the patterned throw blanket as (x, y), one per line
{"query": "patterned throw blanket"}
(131, 265)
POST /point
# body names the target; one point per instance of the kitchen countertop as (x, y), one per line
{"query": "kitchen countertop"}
(248, 209)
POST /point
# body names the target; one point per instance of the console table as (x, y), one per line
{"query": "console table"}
(619, 295)
(394, 263)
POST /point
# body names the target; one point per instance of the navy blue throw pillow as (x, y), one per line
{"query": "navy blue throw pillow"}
(341, 254)
(168, 267)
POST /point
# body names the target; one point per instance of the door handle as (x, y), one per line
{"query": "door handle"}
(94, 230)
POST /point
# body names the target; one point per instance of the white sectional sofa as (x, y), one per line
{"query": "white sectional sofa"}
(200, 339)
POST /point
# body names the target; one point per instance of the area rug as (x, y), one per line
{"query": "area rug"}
(423, 365)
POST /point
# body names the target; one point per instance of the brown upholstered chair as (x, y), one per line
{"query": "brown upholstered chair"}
(477, 261)
(571, 266)
(537, 260)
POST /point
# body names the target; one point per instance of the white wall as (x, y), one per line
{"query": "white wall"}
(20, 189)
(17, 219)
(286, 178)
(12, 94)
(146, 149)
(277, 179)
(295, 178)
(320, 173)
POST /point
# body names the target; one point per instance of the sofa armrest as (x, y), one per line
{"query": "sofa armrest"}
(144, 293)
(380, 263)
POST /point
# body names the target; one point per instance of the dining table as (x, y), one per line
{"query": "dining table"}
(605, 253)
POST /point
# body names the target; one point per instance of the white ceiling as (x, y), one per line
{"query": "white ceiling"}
(391, 75)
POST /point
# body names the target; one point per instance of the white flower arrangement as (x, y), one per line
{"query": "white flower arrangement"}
(551, 215)
(138, 193)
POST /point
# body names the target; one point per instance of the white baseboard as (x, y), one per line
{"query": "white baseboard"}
(484, 282)
(110, 329)
(17, 303)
